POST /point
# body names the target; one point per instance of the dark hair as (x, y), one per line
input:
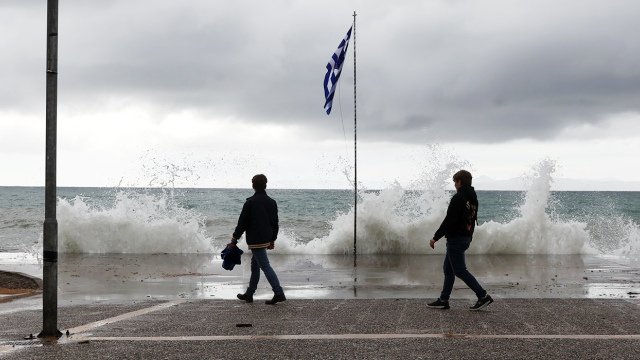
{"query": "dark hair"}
(259, 182)
(464, 177)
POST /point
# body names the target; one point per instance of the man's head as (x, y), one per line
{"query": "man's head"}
(259, 182)
(463, 177)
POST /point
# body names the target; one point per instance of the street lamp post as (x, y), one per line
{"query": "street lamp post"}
(50, 228)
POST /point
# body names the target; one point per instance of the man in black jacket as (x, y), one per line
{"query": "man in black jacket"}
(259, 218)
(458, 227)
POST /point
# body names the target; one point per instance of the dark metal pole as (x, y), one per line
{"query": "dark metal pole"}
(50, 231)
(355, 147)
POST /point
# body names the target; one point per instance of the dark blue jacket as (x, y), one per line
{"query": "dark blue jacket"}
(231, 257)
(259, 218)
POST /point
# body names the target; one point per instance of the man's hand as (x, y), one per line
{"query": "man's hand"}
(271, 246)
(233, 243)
(432, 243)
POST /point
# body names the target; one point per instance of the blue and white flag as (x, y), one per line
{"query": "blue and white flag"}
(334, 68)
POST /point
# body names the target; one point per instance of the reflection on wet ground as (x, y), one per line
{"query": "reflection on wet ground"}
(123, 277)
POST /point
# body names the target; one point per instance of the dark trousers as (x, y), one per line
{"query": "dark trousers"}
(455, 265)
(260, 261)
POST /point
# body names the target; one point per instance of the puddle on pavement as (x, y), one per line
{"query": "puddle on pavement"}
(120, 277)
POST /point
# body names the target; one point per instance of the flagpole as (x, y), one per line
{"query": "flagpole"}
(331, 78)
(355, 148)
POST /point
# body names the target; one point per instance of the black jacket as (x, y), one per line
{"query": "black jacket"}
(462, 215)
(259, 218)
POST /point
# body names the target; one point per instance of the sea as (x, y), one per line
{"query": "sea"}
(394, 220)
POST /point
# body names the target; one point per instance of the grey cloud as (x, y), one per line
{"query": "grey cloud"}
(459, 71)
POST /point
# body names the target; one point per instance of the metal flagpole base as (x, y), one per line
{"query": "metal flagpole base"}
(55, 335)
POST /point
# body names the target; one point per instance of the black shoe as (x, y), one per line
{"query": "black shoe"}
(276, 299)
(245, 297)
(439, 304)
(482, 303)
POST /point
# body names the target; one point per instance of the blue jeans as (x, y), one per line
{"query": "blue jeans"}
(454, 265)
(260, 261)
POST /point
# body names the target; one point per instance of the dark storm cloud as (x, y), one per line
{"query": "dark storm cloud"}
(476, 71)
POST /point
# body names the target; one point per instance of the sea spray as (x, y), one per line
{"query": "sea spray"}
(133, 223)
(615, 236)
(397, 221)
(393, 220)
(534, 231)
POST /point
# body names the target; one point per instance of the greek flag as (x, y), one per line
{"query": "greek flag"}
(334, 68)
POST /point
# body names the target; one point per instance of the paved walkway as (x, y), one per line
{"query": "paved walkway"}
(331, 329)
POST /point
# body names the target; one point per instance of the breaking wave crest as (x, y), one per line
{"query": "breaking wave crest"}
(134, 223)
(391, 221)
(396, 221)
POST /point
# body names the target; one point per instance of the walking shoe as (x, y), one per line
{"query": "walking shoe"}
(439, 304)
(276, 299)
(482, 303)
(245, 297)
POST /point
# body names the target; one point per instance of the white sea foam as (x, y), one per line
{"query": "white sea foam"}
(534, 231)
(386, 226)
(135, 223)
(392, 221)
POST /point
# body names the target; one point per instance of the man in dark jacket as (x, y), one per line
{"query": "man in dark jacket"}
(458, 227)
(259, 218)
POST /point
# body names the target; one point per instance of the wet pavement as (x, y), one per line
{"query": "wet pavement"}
(332, 329)
(122, 277)
(183, 307)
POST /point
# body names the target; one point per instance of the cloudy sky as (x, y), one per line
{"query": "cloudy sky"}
(208, 93)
